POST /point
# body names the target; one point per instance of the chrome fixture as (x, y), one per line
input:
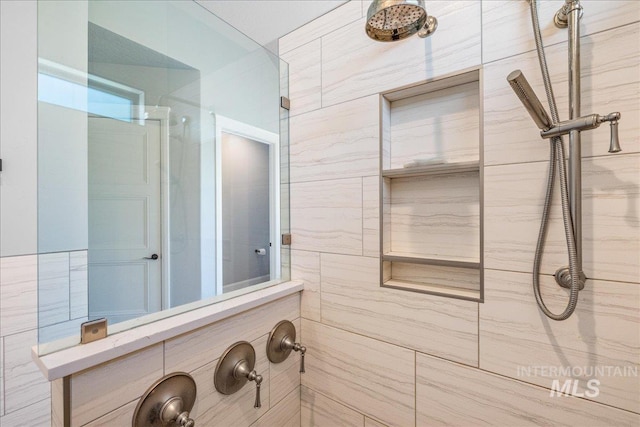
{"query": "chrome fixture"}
(282, 341)
(391, 20)
(167, 403)
(572, 276)
(235, 369)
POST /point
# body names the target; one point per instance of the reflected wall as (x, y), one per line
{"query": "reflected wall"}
(130, 167)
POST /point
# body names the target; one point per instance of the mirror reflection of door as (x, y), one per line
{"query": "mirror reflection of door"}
(246, 245)
(125, 237)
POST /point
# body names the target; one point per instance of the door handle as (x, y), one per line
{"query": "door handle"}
(154, 257)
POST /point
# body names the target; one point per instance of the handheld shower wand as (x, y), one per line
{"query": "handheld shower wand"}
(528, 97)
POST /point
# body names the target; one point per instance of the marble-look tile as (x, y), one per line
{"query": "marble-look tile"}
(53, 288)
(320, 411)
(1, 375)
(353, 65)
(603, 331)
(514, 18)
(456, 395)
(325, 24)
(611, 232)
(35, 415)
(352, 299)
(374, 377)
(119, 417)
(192, 350)
(305, 84)
(216, 409)
(610, 82)
(326, 216)
(371, 216)
(138, 371)
(451, 277)
(436, 216)
(368, 422)
(305, 266)
(18, 294)
(24, 384)
(341, 141)
(285, 376)
(285, 414)
(442, 125)
(61, 330)
(78, 284)
(57, 403)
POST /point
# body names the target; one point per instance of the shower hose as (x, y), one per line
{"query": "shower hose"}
(556, 161)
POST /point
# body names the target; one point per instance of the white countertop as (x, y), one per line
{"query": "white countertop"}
(65, 362)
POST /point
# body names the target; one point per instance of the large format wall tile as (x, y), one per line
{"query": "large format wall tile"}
(53, 288)
(305, 266)
(610, 82)
(352, 299)
(23, 382)
(326, 216)
(325, 24)
(370, 216)
(611, 232)
(341, 141)
(79, 287)
(197, 348)
(373, 377)
(353, 65)
(603, 331)
(216, 409)
(285, 414)
(320, 411)
(305, 83)
(36, 415)
(1, 376)
(514, 18)
(99, 390)
(456, 395)
(18, 294)
(120, 417)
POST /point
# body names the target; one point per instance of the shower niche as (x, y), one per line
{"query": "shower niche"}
(431, 188)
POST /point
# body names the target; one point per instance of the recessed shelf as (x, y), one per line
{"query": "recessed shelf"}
(459, 293)
(435, 169)
(417, 259)
(431, 213)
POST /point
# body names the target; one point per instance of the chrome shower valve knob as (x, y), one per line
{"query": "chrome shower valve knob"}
(282, 341)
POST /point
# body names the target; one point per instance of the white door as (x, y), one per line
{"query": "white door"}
(124, 219)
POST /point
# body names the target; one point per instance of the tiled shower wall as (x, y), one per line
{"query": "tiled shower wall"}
(379, 356)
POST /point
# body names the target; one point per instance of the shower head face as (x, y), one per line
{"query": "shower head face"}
(392, 20)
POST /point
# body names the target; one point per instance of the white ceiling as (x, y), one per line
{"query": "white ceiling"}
(267, 20)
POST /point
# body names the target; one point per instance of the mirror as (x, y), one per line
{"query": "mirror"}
(162, 164)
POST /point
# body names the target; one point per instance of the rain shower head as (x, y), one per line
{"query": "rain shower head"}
(528, 97)
(391, 20)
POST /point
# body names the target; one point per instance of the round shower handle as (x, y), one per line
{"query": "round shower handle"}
(167, 402)
(282, 341)
(235, 368)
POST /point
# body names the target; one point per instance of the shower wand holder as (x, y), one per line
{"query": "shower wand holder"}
(583, 123)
